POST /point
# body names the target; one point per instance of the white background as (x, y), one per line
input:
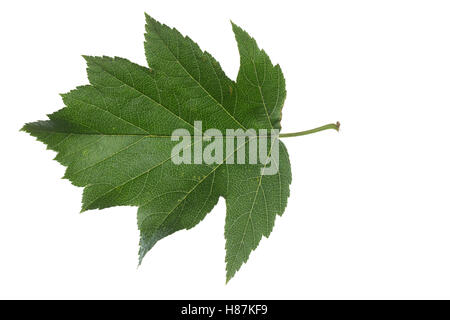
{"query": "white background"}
(369, 212)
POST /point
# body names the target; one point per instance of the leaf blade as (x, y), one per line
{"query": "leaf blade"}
(114, 137)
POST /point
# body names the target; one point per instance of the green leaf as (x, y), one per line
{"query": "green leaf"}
(114, 137)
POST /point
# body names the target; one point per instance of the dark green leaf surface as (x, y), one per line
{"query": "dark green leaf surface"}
(114, 137)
